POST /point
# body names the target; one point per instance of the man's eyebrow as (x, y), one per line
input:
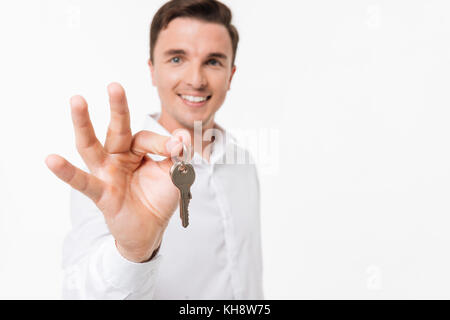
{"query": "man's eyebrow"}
(218, 55)
(172, 52)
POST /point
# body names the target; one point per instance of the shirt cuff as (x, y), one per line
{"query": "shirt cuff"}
(124, 274)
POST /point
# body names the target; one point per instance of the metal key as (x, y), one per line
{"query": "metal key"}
(183, 176)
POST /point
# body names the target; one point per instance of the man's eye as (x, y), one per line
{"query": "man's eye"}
(176, 58)
(218, 63)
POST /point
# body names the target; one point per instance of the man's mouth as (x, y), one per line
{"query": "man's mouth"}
(194, 101)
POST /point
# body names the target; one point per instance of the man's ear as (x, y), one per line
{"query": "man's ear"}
(152, 71)
(231, 77)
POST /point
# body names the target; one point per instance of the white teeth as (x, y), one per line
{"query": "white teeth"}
(194, 99)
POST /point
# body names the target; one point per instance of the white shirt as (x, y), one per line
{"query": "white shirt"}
(217, 257)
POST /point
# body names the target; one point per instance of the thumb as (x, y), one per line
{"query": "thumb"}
(150, 142)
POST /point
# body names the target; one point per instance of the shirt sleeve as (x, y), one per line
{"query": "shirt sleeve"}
(93, 267)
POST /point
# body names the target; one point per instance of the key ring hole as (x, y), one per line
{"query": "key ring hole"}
(182, 168)
(186, 155)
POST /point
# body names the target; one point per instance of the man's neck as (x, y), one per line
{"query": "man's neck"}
(170, 124)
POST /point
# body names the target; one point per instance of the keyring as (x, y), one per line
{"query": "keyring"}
(185, 158)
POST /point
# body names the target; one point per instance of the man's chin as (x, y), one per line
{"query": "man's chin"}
(190, 120)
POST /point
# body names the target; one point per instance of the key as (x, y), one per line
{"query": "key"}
(183, 176)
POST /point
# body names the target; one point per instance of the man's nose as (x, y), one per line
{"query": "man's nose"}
(195, 77)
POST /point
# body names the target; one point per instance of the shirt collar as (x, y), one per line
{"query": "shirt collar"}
(218, 149)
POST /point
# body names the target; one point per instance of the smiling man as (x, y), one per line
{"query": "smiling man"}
(124, 207)
(192, 62)
(192, 66)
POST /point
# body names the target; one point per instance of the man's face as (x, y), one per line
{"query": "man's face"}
(188, 63)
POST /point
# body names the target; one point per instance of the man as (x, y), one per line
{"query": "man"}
(124, 207)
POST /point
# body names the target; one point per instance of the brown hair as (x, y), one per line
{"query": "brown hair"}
(204, 10)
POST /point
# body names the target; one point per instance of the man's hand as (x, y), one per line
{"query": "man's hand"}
(135, 193)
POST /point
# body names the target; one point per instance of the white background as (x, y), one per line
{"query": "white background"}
(358, 92)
